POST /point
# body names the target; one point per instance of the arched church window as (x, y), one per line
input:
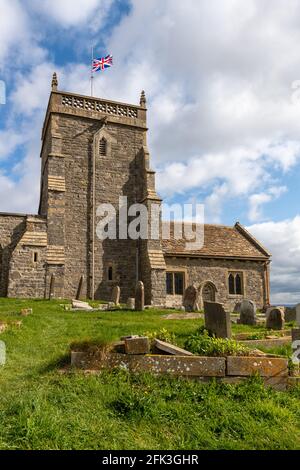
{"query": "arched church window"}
(231, 284)
(235, 283)
(103, 147)
(238, 284)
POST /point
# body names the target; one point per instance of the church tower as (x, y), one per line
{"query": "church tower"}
(94, 151)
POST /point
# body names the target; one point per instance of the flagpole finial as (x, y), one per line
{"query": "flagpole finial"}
(54, 83)
(143, 100)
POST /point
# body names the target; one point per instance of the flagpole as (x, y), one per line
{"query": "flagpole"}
(92, 74)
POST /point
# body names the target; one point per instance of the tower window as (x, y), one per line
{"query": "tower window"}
(235, 283)
(110, 273)
(35, 257)
(102, 147)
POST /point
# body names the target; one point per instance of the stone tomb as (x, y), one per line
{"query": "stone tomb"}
(190, 299)
(275, 318)
(217, 320)
(248, 313)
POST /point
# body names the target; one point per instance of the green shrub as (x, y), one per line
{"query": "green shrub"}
(163, 334)
(202, 344)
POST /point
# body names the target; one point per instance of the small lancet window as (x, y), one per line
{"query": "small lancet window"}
(110, 273)
(231, 284)
(102, 147)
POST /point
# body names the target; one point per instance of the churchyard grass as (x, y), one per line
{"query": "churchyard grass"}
(41, 408)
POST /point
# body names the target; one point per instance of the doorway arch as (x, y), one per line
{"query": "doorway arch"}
(207, 292)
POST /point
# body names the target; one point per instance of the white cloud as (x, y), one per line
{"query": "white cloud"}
(283, 241)
(70, 13)
(18, 42)
(257, 200)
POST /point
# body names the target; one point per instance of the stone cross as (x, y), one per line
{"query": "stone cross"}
(190, 298)
(140, 296)
(217, 320)
(248, 313)
(115, 297)
(275, 318)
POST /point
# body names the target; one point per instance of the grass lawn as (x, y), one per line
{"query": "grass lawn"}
(40, 408)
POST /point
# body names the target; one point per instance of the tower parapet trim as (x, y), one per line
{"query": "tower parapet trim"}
(95, 108)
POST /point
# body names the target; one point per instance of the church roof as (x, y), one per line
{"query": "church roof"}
(219, 241)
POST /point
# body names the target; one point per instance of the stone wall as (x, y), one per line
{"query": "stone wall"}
(12, 228)
(27, 266)
(200, 270)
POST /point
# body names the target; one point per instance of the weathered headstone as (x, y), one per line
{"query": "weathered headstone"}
(52, 286)
(298, 314)
(217, 320)
(137, 345)
(275, 318)
(248, 313)
(295, 334)
(237, 307)
(80, 286)
(190, 299)
(115, 297)
(140, 296)
(130, 303)
(290, 314)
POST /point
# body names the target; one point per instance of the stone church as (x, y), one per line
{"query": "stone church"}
(93, 151)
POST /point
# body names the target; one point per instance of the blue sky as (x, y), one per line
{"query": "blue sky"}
(222, 84)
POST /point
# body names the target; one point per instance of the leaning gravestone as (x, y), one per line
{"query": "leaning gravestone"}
(140, 296)
(217, 320)
(115, 297)
(190, 299)
(275, 318)
(80, 287)
(52, 287)
(248, 313)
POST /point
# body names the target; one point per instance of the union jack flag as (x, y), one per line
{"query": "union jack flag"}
(102, 63)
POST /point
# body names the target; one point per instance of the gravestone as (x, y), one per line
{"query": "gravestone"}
(190, 299)
(79, 290)
(130, 303)
(298, 314)
(275, 318)
(248, 313)
(140, 296)
(237, 307)
(217, 320)
(52, 287)
(115, 297)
